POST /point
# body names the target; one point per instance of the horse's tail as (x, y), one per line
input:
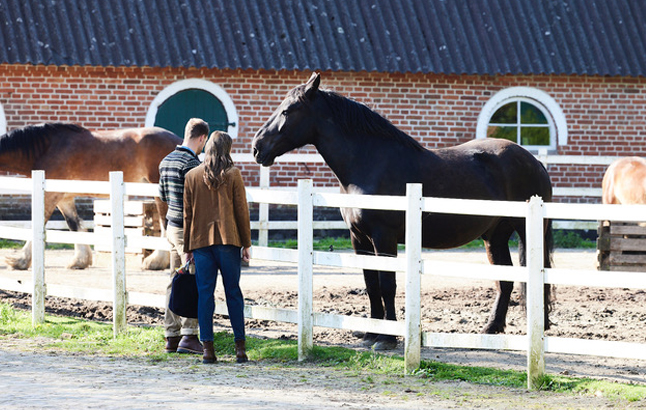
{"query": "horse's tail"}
(548, 262)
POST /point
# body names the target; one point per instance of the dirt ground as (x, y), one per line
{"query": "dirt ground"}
(448, 305)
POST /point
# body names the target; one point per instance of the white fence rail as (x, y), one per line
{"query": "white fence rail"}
(264, 225)
(535, 211)
(542, 156)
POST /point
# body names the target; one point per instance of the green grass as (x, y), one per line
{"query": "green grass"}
(11, 244)
(562, 239)
(72, 335)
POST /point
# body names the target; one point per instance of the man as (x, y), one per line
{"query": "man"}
(181, 333)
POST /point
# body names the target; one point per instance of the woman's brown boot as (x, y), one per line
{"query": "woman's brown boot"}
(209, 354)
(241, 351)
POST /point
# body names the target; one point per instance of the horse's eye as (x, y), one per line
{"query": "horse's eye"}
(285, 112)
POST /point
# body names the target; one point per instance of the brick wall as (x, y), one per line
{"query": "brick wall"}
(606, 116)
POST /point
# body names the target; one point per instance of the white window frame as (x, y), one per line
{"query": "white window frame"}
(194, 83)
(3, 121)
(541, 100)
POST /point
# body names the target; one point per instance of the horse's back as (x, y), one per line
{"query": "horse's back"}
(625, 182)
(139, 135)
(136, 152)
(496, 169)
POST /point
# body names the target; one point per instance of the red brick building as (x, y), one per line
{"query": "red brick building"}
(562, 77)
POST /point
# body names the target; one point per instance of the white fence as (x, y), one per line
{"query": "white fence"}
(542, 156)
(264, 225)
(534, 211)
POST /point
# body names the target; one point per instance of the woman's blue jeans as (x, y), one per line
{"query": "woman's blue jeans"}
(208, 261)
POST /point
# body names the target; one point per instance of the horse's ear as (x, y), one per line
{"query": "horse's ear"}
(312, 85)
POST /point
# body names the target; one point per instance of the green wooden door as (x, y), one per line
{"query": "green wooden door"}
(175, 112)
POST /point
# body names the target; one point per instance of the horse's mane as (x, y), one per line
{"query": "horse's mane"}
(355, 116)
(33, 140)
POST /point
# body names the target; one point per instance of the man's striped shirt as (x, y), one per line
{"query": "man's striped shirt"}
(172, 170)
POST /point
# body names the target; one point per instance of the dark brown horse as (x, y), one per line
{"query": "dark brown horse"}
(369, 155)
(625, 182)
(68, 151)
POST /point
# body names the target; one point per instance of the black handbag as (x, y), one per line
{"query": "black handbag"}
(183, 294)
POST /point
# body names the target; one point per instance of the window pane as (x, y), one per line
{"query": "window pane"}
(505, 114)
(508, 133)
(535, 136)
(530, 114)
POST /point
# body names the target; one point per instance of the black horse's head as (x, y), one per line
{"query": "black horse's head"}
(290, 126)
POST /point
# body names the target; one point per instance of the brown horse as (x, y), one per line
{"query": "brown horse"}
(68, 151)
(625, 182)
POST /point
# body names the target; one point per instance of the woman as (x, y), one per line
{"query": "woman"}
(216, 227)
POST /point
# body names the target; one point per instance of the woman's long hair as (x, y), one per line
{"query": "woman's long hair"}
(217, 159)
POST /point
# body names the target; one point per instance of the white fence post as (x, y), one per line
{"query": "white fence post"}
(305, 268)
(263, 210)
(117, 193)
(535, 290)
(413, 318)
(38, 247)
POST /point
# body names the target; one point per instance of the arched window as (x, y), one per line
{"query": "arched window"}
(184, 99)
(526, 116)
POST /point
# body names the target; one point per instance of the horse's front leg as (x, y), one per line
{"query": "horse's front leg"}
(82, 253)
(22, 259)
(362, 246)
(371, 278)
(386, 245)
(159, 260)
(388, 285)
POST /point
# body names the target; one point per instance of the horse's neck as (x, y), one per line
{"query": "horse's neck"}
(358, 163)
(339, 157)
(15, 163)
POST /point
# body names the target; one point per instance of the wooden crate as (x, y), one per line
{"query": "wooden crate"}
(140, 218)
(621, 246)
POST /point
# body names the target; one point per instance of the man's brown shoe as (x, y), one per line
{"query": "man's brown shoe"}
(190, 344)
(171, 343)
(209, 353)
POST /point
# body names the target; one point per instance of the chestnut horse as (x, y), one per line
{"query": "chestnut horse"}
(68, 151)
(370, 156)
(625, 182)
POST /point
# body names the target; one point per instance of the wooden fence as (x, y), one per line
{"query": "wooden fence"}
(534, 211)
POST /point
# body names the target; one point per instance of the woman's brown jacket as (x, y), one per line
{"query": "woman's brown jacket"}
(215, 217)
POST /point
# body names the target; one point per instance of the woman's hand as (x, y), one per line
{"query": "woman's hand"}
(246, 254)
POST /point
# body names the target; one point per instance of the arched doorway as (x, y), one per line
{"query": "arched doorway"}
(185, 99)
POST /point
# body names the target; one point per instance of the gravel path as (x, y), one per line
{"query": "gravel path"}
(39, 380)
(34, 379)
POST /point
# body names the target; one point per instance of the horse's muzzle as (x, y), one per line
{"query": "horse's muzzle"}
(261, 158)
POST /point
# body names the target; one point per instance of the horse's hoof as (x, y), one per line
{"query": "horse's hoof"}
(17, 263)
(386, 344)
(493, 329)
(368, 342)
(369, 339)
(82, 257)
(78, 265)
(158, 260)
(358, 334)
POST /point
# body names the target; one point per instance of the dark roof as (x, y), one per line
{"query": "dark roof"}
(586, 37)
